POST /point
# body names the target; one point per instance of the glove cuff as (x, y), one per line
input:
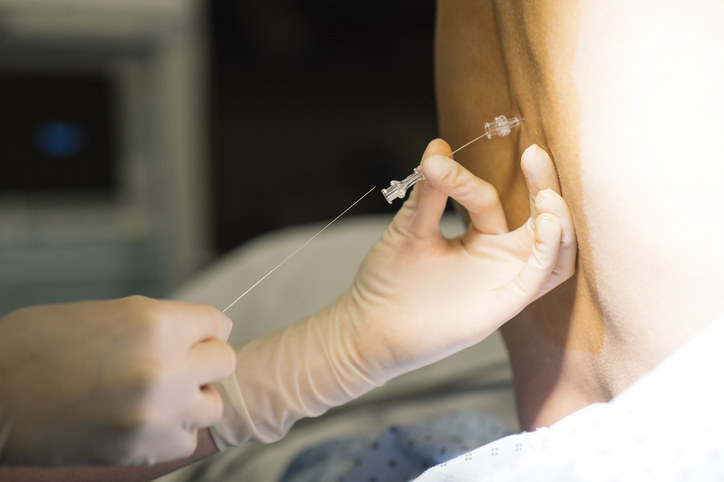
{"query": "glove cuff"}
(300, 371)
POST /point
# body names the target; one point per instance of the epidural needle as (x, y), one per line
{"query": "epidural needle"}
(298, 250)
(501, 126)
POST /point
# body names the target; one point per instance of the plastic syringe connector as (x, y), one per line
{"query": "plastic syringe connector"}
(500, 126)
(398, 189)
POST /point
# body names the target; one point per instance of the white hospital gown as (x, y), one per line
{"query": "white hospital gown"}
(667, 426)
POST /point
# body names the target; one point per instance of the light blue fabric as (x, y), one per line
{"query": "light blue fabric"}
(398, 454)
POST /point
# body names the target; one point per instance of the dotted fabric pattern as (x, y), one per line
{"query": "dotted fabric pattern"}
(400, 453)
(665, 427)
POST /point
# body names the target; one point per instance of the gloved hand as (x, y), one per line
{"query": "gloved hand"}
(420, 297)
(116, 382)
(417, 298)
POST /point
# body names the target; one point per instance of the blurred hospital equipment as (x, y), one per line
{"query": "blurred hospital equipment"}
(101, 138)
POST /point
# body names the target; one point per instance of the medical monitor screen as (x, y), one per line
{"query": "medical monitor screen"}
(56, 133)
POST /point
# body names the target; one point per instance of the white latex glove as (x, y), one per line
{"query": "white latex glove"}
(417, 298)
(110, 382)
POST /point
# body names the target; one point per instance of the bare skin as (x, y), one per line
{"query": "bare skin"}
(600, 85)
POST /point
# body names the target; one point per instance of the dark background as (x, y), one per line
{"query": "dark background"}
(59, 127)
(311, 103)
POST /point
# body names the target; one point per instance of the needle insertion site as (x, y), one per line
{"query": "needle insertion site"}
(501, 126)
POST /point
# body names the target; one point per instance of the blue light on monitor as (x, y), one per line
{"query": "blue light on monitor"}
(60, 139)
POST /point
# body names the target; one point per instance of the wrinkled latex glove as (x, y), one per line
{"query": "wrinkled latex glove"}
(115, 382)
(417, 298)
(420, 297)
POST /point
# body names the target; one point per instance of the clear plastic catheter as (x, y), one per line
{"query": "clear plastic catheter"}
(501, 126)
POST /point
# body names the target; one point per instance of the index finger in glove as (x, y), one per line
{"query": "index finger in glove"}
(538, 268)
(477, 196)
(548, 201)
(540, 174)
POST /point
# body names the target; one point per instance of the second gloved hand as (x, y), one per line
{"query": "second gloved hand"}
(119, 382)
(417, 298)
